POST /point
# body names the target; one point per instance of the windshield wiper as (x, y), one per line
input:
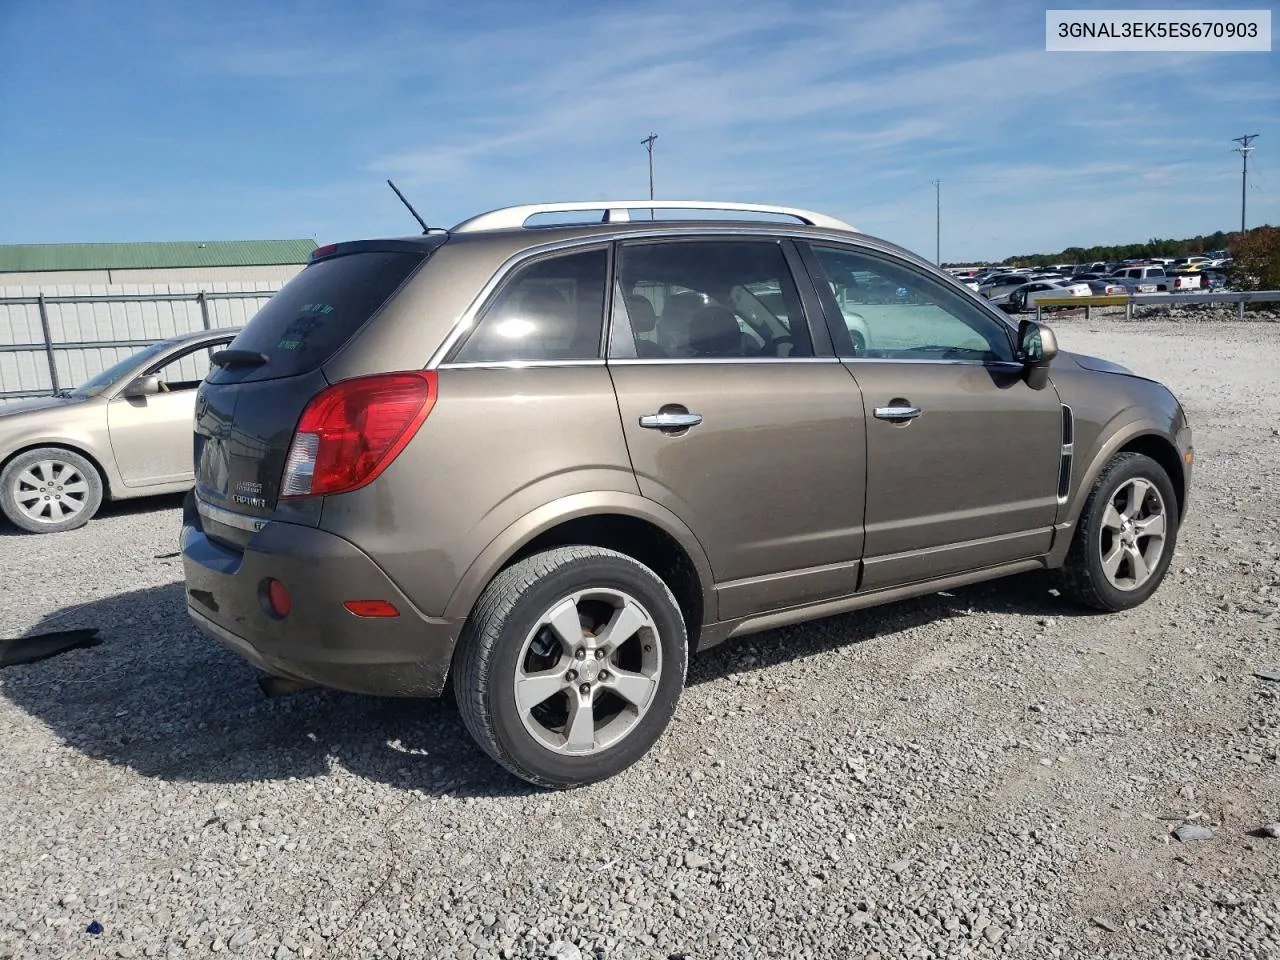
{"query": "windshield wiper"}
(238, 358)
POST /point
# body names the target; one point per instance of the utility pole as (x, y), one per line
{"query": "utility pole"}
(937, 252)
(647, 142)
(1244, 150)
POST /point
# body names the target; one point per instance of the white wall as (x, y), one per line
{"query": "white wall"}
(274, 274)
(128, 320)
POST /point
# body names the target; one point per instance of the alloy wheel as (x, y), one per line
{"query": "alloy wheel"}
(588, 671)
(1132, 539)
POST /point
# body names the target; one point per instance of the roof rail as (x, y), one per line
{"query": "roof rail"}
(617, 211)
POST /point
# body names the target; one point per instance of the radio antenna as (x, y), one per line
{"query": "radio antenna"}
(425, 228)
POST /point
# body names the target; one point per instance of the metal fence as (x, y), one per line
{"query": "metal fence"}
(55, 341)
(1191, 299)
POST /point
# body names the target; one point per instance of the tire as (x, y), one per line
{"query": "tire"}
(67, 485)
(1084, 576)
(509, 639)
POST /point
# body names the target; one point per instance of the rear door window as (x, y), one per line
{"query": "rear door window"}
(712, 299)
(317, 312)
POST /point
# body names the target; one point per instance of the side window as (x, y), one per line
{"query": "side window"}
(711, 299)
(552, 309)
(895, 311)
(186, 370)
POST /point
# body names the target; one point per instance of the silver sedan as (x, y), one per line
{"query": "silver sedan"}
(125, 433)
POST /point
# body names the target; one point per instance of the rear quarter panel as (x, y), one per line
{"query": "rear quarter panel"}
(499, 444)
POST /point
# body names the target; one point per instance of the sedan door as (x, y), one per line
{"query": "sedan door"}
(963, 456)
(152, 435)
(734, 424)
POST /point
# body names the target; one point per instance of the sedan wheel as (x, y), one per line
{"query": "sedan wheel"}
(50, 490)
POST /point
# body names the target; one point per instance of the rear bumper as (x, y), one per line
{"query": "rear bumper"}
(320, 641)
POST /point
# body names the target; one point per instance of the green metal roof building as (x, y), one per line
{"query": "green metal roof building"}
(179, 261)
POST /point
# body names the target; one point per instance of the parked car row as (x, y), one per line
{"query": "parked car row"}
(1019, 288)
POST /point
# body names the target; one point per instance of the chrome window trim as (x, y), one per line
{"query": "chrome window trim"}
(708, 230)
(669, 361)
(998, 364)
(518, 364)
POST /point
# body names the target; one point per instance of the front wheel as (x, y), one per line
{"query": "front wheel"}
(1125, 536)
(49, 490)
(571, 665)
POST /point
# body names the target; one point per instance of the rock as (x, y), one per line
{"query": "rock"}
(993, 932)
(898, 866)
(1271, 673)
(1272, 830)
(241, 939)
(1192, 831)
(695, 861)
(563, 950)
(1105, 924)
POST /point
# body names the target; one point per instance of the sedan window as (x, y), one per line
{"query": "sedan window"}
(98, 384)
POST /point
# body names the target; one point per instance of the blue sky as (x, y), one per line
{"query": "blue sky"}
(150, 120)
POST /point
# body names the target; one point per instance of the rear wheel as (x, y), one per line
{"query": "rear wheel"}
(49, 490)
(571, 665)
(1125, 537)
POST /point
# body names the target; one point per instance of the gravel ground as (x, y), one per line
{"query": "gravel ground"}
(985, 773)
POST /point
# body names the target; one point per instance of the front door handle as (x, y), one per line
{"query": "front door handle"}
(897, 414)
(671, 421)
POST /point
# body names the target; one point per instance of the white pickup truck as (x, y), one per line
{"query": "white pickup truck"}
(1154, 280)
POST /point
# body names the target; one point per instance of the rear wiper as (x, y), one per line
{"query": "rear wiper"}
(238, 358)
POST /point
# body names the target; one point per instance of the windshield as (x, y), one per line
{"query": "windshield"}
(91, 388)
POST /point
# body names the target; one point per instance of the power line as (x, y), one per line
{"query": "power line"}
(1244, 150)
(647, 142)
(937, 255)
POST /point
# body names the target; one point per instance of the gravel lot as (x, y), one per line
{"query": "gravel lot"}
(985, 773)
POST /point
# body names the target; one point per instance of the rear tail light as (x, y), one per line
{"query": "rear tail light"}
(349, 433)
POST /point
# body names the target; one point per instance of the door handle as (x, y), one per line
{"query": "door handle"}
(897, 414)
(671, 421)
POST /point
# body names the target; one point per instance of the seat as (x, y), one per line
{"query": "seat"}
(714, 332)
(643, 321)
(673, 326)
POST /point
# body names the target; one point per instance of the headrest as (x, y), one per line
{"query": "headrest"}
(643, 319)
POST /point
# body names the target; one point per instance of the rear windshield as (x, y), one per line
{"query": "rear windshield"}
(317, 312)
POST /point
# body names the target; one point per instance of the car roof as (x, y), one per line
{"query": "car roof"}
(211, 334)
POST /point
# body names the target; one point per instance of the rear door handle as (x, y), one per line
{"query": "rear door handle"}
(897, 414)
(671, 421)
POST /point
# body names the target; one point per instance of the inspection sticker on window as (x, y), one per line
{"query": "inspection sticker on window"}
(1205, 31)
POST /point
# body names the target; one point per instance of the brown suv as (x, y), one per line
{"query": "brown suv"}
(547, 462)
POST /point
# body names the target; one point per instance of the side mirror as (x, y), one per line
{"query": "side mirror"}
(143, 386)
(1037, 344)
